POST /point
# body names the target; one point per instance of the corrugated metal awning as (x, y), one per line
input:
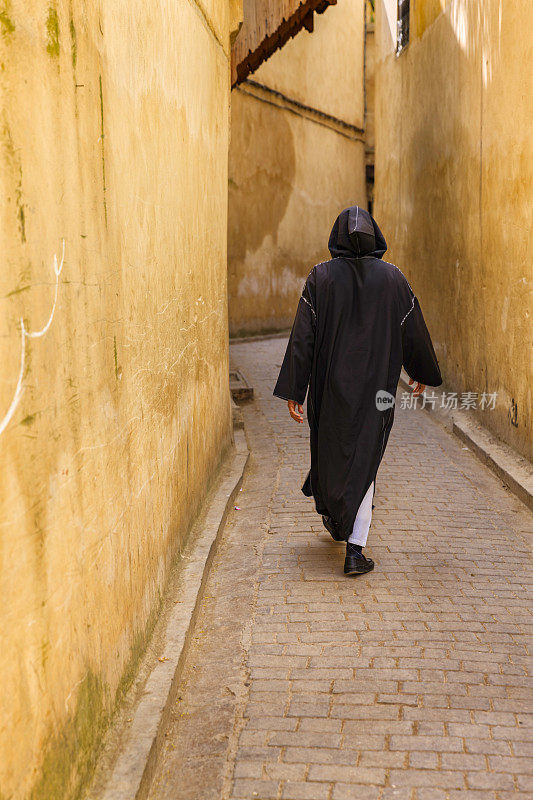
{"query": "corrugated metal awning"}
(267, 25)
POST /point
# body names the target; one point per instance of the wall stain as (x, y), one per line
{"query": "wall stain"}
(74, 43)
(6, 23)
(45, 650)
(258, 202)
(102, 144)
(14, 160)
(52, 33)
(71, 754)
(16, 291)
(117, 374)
(262, 180)
(20, 209)
(137, 651)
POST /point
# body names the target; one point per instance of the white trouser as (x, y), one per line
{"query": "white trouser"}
(363, 519)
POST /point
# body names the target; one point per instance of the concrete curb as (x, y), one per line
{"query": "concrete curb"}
(261, 337)
(508, 466)
(133, 769)
(512, 469)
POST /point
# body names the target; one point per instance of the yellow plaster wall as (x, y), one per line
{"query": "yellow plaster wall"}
(424, 13)
(454, 168)
(370, 95)
(324, 69)
(114, 119)
(292, 171)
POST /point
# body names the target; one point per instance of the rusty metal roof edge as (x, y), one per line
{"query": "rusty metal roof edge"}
(285, 31)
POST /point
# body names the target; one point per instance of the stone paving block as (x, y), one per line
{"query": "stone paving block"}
(305, 791)
(310, 708)
(399, 793)
(431, 728)
(310, 686)
(318, 755)
(251, 737)
(387, 711)
(347, 791)
(369, 726)
(423, 760)
(245, 789)
(495, 718)
(428, 778)
(431, 794)
(438, 744)
(382, 758)
(285, 772)
(525, 783)
(522, 749)
(273, 723)
(487, 746)
(511, 764)
(248, 769)
(519, 734)
(345, 687)
(305, 739)
(320, 724)
(258, 754)
(489, 780)
(356, 740)
(524, 795)
(463, 761)
(355, 775)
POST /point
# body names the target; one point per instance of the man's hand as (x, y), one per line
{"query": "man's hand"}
(419, 388)
(296, 411)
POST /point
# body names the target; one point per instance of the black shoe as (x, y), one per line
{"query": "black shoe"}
(331, 526)
(356, 563)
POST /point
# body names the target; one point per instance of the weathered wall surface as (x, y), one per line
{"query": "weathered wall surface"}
(114, 118)
(370, 101)
(454, 169)
(297, 157)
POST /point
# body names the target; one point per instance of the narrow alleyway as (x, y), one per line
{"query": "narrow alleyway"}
(408, 683)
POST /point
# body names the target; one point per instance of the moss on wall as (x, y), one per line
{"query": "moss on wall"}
(70, 756)
(73, 43)
(52, 33)
(7, 25)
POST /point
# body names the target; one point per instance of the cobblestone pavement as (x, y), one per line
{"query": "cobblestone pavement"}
(410, 682)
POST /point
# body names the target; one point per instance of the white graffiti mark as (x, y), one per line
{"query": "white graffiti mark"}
(24, 334)
(18, 391)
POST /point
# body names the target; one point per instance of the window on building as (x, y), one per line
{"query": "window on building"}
(402, 31)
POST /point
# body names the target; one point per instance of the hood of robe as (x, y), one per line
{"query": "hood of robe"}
(356, 234)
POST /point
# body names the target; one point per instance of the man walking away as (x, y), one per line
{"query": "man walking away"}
(357, 322)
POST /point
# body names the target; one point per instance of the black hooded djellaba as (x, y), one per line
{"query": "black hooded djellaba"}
(357, 322)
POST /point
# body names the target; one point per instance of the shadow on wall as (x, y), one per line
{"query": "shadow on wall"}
(440, 176)
(262, 166)
(262, 169)
(443, 152)
(454, 170)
